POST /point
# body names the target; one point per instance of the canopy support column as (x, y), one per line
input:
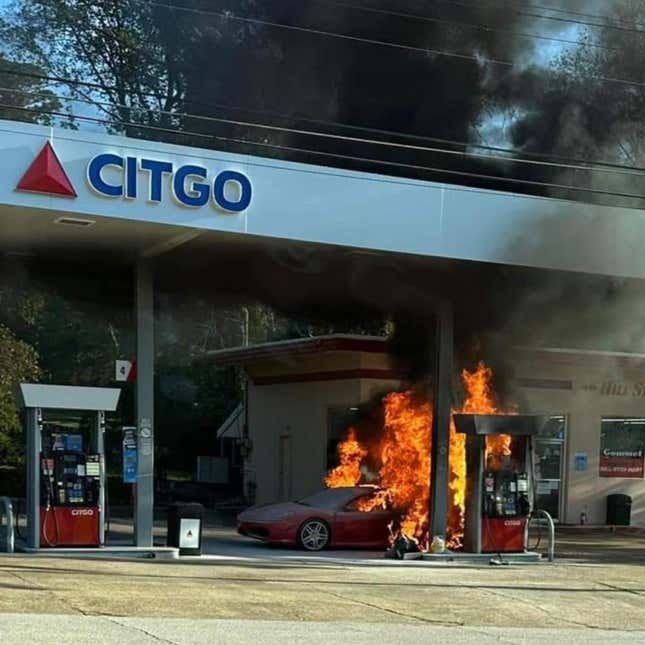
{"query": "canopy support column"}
(144, 499)
(33, 427)
(442, 386)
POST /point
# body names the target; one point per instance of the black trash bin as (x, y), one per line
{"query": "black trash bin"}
(619, 510)
(185, 528)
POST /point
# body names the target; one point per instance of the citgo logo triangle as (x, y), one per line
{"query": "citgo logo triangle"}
(46, 175)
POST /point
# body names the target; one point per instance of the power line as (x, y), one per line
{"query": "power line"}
(582, 14)
(587, 163)
(586, 166)
(331, 34)
(320, 153)
(460, 3)
(369, 41)
(453, 23)
(437, 52)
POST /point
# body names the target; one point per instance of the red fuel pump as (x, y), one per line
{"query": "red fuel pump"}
(70, 482)
(498, 489)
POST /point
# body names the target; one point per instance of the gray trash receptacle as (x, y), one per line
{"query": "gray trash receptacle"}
(619, 510)
(185, 528)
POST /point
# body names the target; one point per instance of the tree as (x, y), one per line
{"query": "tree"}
(23, 90)
(18, 363)
(111, 55)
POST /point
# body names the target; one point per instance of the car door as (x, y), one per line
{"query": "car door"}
(353, 527)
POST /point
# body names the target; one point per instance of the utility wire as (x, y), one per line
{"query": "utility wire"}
(586, 166)
(581, 14)
(370, 41)
(587, 163)
(453, 23)
(332, 34)
(367, 160)
(572, 21)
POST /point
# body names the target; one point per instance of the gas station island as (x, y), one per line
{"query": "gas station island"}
(417, 288)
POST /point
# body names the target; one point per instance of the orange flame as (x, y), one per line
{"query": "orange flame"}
(480, 399)
(348, 472)
(404, 453)
(405, 458)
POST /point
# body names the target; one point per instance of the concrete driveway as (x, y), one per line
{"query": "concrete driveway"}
(596, 595)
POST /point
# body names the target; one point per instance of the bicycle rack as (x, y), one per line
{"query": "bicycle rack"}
(6, 529)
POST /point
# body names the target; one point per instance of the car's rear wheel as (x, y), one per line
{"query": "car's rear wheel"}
(314, 535)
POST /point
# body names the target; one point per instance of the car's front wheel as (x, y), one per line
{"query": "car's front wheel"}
(314, 535)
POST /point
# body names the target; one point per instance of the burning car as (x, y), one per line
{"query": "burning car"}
(351, 516)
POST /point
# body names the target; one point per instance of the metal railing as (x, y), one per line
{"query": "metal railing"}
(538, 514)
(7, 525)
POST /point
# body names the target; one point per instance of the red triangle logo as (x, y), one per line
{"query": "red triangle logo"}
(46, 175)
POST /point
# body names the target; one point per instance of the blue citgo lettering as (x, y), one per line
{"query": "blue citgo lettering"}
(96, 180)
(245, 191)
(156, 170)
(179, 186)
(131, 171)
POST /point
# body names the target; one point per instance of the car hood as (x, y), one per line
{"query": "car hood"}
(266, 512)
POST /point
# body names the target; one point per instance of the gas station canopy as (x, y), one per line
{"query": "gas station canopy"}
(136, 199)
(68, 397)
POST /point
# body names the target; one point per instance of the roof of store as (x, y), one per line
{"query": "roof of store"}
(300, 346)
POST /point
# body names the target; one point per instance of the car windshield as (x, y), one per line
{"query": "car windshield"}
(332, 498)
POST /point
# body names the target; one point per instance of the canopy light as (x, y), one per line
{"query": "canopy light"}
(74, 221)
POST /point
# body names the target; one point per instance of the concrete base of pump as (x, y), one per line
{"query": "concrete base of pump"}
(527, 557)
(156, 552)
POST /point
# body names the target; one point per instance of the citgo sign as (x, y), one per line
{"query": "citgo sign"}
(190, 184)
(118, 177)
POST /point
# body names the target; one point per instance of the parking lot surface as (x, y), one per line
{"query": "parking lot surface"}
(597, 584)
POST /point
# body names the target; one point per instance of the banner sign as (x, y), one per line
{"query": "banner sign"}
(129, 455)
(622, 447)
(621, 464)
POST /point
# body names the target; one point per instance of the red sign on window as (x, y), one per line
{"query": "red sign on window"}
(614, 466)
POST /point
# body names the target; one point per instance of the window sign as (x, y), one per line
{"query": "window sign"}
(622, 446)
(581, 461)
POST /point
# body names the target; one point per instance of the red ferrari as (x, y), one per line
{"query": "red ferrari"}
(326, 519)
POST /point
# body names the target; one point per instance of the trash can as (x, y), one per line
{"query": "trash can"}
(619, 509)
(185, 528)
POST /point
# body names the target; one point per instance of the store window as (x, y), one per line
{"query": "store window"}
(622, 446)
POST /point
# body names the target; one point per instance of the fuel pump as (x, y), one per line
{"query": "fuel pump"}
(70, 488)
(497, 480)
(66, 475)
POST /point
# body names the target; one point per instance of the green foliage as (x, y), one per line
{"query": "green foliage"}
(22, 91)
(18, 363)
(116, 47)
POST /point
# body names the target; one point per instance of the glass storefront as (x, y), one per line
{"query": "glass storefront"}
(549, 460)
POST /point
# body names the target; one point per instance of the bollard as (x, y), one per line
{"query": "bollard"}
(6, 509)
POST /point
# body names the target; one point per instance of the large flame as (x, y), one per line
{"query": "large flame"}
(348, 472)
(405, 458)
(479, 399)
(404, 454)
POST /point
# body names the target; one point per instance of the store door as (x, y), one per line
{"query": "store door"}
(549, 465)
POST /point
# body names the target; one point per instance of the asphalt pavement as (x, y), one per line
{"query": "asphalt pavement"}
(244, 592)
